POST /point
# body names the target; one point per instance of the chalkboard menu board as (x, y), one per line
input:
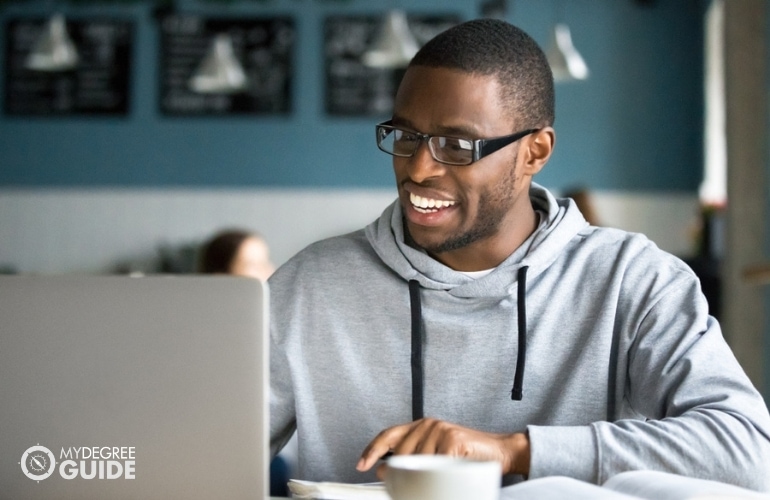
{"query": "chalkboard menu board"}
(353, 88)
(262, 47)
(97, 85)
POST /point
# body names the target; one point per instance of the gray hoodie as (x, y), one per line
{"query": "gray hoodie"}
(621, 367)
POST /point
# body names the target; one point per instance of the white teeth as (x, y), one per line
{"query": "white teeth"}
(428, 205)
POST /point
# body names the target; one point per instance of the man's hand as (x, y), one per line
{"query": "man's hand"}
(436, 437)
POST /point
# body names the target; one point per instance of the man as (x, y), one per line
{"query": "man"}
(480, 316)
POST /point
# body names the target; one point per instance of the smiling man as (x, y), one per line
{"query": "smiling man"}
(481, 316)
(468, 218)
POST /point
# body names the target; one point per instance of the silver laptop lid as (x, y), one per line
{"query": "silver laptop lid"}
(118, 387)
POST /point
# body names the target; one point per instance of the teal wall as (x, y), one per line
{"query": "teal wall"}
(634, 125)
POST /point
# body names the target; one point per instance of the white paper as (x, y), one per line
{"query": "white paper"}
(337, 491)
(559, 488)
(634, 485)
(665, 486)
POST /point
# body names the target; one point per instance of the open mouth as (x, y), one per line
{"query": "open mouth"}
(428, 205)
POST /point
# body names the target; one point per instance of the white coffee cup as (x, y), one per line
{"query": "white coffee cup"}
(441, 477)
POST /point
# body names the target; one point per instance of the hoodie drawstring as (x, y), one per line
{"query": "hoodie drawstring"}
(417, 337)
(417, 380)
(521, 358)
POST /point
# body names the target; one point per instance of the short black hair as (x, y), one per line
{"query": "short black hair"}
(495, 47)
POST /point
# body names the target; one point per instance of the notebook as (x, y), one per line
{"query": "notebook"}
(133, 387)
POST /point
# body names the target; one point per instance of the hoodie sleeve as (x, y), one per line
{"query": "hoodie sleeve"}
(282, 408)
(696, 411)
(282, 419)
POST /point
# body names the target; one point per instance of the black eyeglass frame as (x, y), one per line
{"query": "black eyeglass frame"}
(481, 147)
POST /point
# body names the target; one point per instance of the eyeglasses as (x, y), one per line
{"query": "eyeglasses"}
(449, 150)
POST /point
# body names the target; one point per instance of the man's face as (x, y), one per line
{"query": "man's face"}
(470, 207)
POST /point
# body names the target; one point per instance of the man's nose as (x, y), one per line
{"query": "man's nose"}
(422, 165)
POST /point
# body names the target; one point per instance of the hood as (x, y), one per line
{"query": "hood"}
(563, 222)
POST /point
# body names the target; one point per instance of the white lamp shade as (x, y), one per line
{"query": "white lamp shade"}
(394, 46)
(54, 50)
(565, 61)
(219, 72)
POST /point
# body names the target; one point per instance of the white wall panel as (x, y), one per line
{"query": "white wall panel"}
(52, 231)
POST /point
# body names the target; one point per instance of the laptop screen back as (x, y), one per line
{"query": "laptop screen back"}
(120, 387)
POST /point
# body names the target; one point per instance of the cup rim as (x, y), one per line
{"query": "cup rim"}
(435, 462)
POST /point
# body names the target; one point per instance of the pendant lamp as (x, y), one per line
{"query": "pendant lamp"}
(54, 50)
(219, 72)
(566, 62)
(394, 46)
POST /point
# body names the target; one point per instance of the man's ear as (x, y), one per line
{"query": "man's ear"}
(537, 150)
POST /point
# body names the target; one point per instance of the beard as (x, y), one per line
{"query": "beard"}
(494, 205)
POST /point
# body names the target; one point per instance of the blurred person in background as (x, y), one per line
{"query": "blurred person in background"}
(238, 252)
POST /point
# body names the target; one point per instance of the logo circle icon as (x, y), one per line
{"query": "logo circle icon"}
(38, 463)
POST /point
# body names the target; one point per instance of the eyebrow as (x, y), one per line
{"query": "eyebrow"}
(450, 131)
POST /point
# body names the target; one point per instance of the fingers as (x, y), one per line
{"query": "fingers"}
(422, 436)
(381, 445)
(430, 436)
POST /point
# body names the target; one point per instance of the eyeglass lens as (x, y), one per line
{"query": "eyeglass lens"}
(444, 149)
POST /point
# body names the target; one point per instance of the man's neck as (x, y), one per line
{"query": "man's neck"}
(490, 252)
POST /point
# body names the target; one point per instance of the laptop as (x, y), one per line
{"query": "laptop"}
(133, 387)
